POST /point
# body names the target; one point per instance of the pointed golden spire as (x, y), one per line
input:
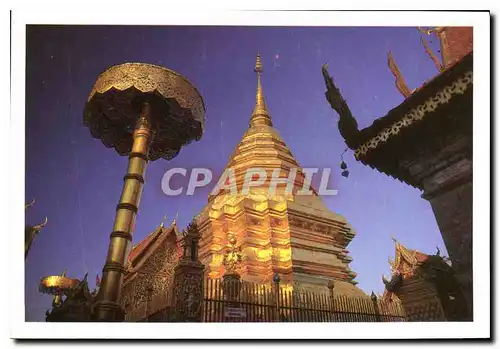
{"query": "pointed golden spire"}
(260, 115)
(162, 224)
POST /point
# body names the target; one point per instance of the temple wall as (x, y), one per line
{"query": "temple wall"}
(456, 42)
(153, 278)
(453, 211)
(448, 187)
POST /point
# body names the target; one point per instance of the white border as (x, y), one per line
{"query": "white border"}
(249, 18)
(479, 328)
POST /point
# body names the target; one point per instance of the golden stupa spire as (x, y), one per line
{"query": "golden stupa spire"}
(260, 115)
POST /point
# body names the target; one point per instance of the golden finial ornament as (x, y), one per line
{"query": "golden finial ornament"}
(258, 64)
(232, 256)
(260, 115)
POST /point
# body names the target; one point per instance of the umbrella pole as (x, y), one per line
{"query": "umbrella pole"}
(107, 307)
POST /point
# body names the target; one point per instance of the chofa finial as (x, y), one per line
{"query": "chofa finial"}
(41, 225)
(162, 224)
(347, 124)
(258, 64)
(28, 205)
(399, 80)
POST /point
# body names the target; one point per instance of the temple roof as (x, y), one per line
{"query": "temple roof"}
(408, 262)
(457, 60)
(419, 97)
(439, 108)
(80, 292)
(433, 111)
(389, 297)
(405, 257)
(148, 243)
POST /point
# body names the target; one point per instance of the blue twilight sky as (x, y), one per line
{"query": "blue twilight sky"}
(77, 181)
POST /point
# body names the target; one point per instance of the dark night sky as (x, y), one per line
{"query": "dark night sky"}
(77, 181)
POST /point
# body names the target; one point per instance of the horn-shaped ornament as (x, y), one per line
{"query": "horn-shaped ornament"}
(41, 225)
(29, 204)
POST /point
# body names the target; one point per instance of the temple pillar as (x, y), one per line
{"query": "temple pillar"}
(188, 280)
(449, 192)
(453, 211)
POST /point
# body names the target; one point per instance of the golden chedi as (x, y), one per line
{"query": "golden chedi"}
(278, 231)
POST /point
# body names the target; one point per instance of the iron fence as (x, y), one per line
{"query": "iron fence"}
(250, 302)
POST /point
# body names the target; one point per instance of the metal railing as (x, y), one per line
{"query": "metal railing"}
(250, 302)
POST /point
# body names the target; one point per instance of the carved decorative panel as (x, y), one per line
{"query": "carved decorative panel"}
(155, 276)
(155, 262)
(253, 221)
(276, 223)
(188, 295)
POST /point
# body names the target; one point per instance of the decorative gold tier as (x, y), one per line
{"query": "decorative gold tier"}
(177, 108)
(149, 78)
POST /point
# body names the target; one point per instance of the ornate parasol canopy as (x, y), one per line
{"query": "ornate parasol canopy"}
(112, 109)
(55, 285)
